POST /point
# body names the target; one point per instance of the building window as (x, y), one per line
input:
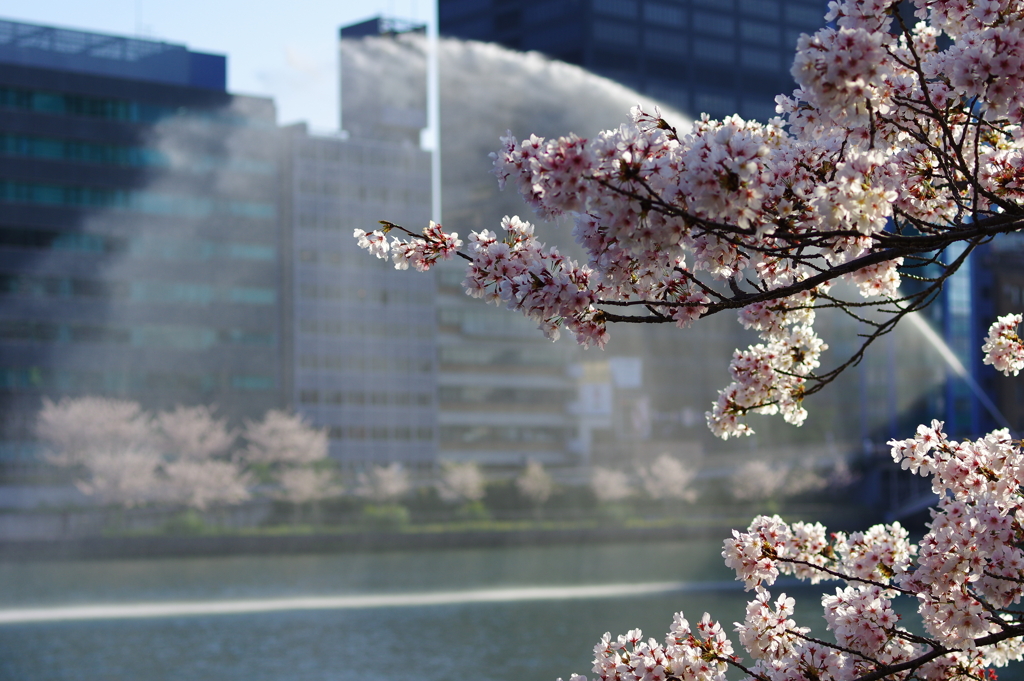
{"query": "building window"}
(542, 12)
(764, 9)
(792, 35)
(252, 382)
(139, 201)
(713, 23)
(619, 8)
(451, 9)
(758, 111)
(664, 41)
(664, 15)
(615, 33)
(669, 92)
(717, 51)
(760, 32)
(759, 58)
(309, 396)
(715, 105)
(811, 17)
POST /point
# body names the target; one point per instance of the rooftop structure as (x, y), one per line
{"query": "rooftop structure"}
(109, 55)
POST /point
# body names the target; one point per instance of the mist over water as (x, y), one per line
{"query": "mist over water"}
(486, 90)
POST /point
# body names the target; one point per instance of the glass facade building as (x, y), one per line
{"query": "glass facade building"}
(139, 230)
(703, 56)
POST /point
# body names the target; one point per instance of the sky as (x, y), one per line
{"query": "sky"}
(285, 49)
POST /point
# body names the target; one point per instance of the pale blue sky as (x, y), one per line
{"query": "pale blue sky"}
(277, 48)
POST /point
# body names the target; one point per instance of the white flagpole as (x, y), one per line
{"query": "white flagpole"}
(434, 114)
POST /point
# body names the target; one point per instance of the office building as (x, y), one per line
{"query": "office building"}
(362, 356)
(139, 230)
(702, 56)
(503, 391)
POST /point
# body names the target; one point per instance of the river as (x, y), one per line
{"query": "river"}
(518, 614)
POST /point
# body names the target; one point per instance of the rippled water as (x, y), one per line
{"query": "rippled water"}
(547, 631)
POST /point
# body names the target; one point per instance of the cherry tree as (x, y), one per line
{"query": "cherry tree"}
(898, 155)
(198, 470)
(610, 485)
(383, 484)
(111, 442)
(129, 457)
(283, 439)
(73, 428)
(667, 478)
(760, 480)
(901, 140)
(292, 454)
(194, 433)
(461, 482)
(535, 484)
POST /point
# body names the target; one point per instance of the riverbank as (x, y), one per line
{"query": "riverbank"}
(312, 540)
(155, 546)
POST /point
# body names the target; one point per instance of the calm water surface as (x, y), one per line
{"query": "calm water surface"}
(523, 640)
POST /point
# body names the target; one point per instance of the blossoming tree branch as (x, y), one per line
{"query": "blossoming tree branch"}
(891, 150)
(902, 140)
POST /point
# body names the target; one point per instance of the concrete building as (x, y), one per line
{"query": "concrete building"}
(362, 356)
(503, 391)
(139, 230)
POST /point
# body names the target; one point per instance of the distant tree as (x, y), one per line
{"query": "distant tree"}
(308, 484)
(461, 482)
(292, 454)
(200, 484)
(283, 439)
(74, 428)
(610, 485)
(194, 433)
(535, 484)
(667, 478)
(198, 470)
(758, 480)
(110, 442)
(383, 484)
(763, 481)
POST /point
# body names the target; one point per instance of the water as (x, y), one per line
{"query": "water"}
(530, 618)
(522, 614)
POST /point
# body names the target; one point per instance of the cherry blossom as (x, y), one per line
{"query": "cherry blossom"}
(668, 478)
(901, 139)
(383, 484)
(461, 482)
(535, 483)
(1003, 348)
(610, 485)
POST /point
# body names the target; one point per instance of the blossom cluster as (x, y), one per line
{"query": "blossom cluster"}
(1003, 348)
(898, 140)
(966, 575)
(701, 656)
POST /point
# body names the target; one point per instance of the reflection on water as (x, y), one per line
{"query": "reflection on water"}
(109, 611)
(540, 638)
